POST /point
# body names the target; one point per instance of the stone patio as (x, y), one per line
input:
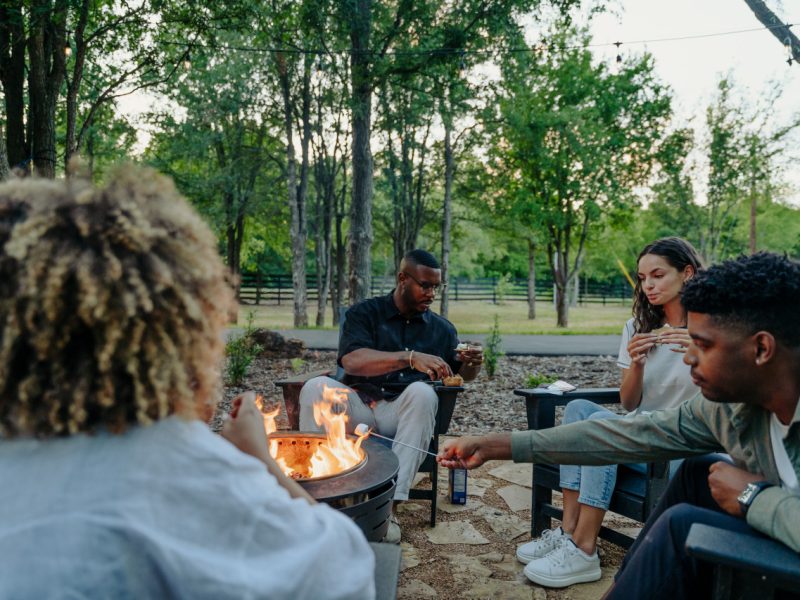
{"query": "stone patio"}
(470, 552)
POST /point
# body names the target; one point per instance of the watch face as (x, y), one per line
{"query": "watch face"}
(747, 493)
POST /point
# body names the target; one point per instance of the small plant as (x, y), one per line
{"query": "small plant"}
(536, 379)
(492, 351)
(502, 287)
(240, 351)
(296, 363)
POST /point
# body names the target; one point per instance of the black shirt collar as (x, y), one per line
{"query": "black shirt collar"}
(391, 311)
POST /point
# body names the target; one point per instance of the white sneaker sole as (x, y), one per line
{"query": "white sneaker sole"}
(560, 582)
(526, 558)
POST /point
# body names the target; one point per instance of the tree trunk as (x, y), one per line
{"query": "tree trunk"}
(3, 157)
(562, 306)
(324, 182)
(775, 26)
(560, 269)
(297, 226)
(47, 67)
(12, 76)
(360, 237)
(74, 84)
(752, 222)
(531, 279)
(447, 217)
(340, 282)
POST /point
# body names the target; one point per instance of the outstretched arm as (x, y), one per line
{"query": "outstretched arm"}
(469, 452)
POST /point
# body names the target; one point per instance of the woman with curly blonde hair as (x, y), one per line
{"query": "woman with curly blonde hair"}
(112, 307)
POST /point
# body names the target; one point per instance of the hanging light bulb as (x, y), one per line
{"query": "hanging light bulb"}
(616, 66)
(67, 50)
(187, 62)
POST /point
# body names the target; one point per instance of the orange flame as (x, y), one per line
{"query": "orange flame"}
(337, 454)
(340, 453)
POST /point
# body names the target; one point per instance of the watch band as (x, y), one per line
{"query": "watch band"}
(750, 492)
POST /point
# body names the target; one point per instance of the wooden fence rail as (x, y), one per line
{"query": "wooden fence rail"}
(258, 288)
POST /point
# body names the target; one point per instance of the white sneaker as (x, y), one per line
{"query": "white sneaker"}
(393, 533)
(564, 566)
(542, 546)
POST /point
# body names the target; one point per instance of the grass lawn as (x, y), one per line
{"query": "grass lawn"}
(477, 317)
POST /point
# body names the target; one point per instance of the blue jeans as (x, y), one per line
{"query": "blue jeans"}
(657, 566)
(595, 484)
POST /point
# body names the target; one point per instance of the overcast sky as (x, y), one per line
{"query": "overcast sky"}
(693, 67)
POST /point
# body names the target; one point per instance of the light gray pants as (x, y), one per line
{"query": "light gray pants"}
(410, 418)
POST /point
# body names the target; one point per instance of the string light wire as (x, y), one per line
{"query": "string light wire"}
(463, 51)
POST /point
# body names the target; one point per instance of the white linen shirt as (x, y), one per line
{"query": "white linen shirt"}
(666, 381)
(167, 511)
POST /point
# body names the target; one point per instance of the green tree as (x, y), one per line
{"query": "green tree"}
(222, 150)
(576, 139)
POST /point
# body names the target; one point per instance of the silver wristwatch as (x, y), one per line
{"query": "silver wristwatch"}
(749, 493)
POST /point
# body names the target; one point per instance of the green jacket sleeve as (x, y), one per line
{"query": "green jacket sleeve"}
(686, 430)
(776, 513)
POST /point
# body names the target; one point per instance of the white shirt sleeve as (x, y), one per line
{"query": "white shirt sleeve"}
(624, 359)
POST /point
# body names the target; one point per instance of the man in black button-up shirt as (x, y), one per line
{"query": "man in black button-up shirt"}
(397, 339)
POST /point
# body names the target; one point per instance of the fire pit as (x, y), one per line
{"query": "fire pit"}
(363, 492)
(353, 474)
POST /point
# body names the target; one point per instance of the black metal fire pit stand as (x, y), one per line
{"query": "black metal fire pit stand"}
(364, 494)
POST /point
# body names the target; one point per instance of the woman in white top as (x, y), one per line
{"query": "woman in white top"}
(653, 377)
(112, 308)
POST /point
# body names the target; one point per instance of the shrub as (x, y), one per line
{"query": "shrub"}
(536, 379)
(240, 351)
(492, 352)
(503, 287)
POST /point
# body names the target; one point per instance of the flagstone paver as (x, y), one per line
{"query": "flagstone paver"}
(591, 591)
(444, 505)
(455, 532)
(477, 486)
(516, 497)
(467, 568)
(507, 526)
(410, 556)
(510, 564)
(513, 473)
(499, 589)
(415, 589)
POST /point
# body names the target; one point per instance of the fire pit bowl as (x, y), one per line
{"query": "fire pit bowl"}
(363, 492)
(298, 447)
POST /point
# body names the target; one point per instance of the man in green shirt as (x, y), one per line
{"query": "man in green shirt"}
(745, 358)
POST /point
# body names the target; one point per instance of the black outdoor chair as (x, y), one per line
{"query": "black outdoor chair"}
(447, 401)
(635, 495)
(745, 566)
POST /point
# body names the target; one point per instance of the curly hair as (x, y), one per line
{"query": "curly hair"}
(677, 252)
(753, 293)
(115, 315)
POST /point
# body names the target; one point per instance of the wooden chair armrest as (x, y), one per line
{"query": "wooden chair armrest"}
(763, 557)
(291, 394)
(448, 394)
(540, 404)
(302, 378)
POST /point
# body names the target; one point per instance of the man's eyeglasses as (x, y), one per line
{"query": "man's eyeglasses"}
(426, 286)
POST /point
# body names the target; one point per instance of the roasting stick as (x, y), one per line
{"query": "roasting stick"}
(363, 429)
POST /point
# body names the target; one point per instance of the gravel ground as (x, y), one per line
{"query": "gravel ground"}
(456, 570)
(486, 405)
